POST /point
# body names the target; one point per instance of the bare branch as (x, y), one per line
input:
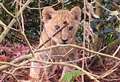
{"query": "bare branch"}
(2, 36)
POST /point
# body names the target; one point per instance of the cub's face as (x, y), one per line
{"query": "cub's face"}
(56, 20)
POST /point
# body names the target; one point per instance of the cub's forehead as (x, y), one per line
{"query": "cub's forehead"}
(63, 12)
(63, 15)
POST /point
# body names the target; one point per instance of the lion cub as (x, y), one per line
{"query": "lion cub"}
(53, 21)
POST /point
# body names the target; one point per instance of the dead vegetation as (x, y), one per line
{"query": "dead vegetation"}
(98, 38)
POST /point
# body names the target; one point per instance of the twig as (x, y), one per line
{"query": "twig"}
(79, 47)
(3, 34)
(19, 59)
(8, 63)
(66, 54)
(111, 70)
(84, 36)
(16, 80)
(6, 10)
(23, 33)
(71, 65)
(77, 60)
(39, 8)
(40, 14)
(107, 10)
(53, 36)
(3, 24)
(116, 51)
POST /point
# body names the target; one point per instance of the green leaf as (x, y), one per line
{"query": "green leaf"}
(69, 76)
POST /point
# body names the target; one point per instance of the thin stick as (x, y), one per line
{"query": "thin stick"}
(3, 34)
(79, 47)
(71, 65)
(53, 36)
(6, 10)
(116, 51)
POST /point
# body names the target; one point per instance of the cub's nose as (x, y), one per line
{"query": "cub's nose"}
(64, 41)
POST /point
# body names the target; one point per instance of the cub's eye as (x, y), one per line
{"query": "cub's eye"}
(57, 27)
(70, 28)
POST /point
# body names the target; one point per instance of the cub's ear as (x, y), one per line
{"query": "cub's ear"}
(47, 13)
(76, 12)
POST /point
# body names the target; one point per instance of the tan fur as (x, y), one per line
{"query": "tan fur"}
(54, 20)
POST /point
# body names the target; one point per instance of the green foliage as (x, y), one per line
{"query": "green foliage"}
(69, 76)
(109, 38)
